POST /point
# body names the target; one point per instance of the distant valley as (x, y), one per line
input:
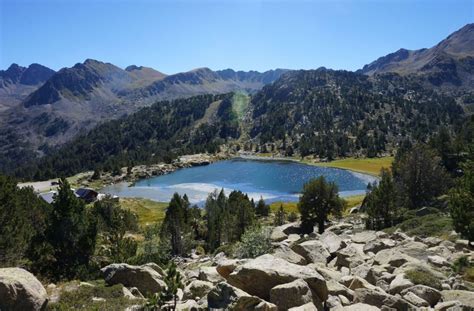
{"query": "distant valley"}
(404, 96)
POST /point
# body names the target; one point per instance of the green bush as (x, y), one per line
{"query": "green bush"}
(255, 242)
(81, 299)
(423, 277)
(429, 225)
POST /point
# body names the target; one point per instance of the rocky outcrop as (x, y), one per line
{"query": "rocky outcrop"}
(227, 297)
(21, 290)
(258, 276)
(197, 289)
(313, 251)
(144, 278)
(292, 294)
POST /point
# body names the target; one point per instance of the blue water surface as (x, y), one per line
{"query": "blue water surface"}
(272, 180)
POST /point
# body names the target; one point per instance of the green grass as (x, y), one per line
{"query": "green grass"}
(81, 298)
(352, 201)
(423, 277)
(240, 103)
(429, 225)
(148, 211)
(287, 207)
(370, 166)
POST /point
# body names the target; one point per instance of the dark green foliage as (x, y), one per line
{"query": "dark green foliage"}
(280, 216)
(318, 201)
(461, 202)
(262, 209)
(113, 223)
(71, 234)
(178, 225)
(167, 298)
(155, 249)
(292, 217)
(428, 225)
(23, 221)
(227, 218)
(154, 134)
(380, 203)
(419, 176)
(339, 113)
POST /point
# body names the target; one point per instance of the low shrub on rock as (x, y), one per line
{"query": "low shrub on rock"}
(255, 242)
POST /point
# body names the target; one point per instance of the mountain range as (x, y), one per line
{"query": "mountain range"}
(41, 109)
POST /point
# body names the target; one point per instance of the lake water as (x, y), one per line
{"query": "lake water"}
(272, 180)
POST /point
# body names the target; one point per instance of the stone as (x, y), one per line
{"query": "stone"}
(354, 282)
(415, 300)
(332, 241)
(431, 295)
(197, 288)
(312, 251)
(210, 274)
(286, 253)
(466, 298)
(227, 297)
(364, 237)
(448, 306)
(306, 307)
(337, 289)
(135, 292)
(378, 298)
(392, 257)
(225, 267)
(188, 305)
(340, 228)
(144, 278)
(21, 290)
(292, 238)
(291, 294)
(278, 235)
(432, 241)
(328, 274)
(127, 293)
(360, 307)
(375, 246)
(155, 267)
(399, 283)
(438, 261)
(291, 228)
(258, 276)
(350, 257)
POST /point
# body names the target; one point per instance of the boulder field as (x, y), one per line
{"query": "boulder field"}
(345, 268)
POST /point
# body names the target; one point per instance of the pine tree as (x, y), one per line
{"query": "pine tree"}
(280, 216)
(175, 223)
(380, 203)
(72, 232)
(461, 203)
(319, 199)
(262, 208)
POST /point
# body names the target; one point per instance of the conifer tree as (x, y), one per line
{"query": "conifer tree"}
(262, 208)
(461, 203)
(280, 216)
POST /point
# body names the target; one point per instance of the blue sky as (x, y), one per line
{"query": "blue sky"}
(174, 36)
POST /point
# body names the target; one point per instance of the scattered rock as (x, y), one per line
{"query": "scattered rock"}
(466, 298)
(399, 283)
(438, 261)
(291, 294)
(278, 235)
(361, 307)
(258, 276)
(312, 251)
(364, 237)
(227, 297)
(286, 253)
(21, 290)
(375, 246)
(379, 298)
(210, 274)
(431, 295)
(197, 288)
(225, 267)
(144, 278)
(306, 307)
(340, 228)
(415, 300)
(332, 242)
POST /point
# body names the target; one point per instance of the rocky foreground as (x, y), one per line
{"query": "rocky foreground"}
(341, 269)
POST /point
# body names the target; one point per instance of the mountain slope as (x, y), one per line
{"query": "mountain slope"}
(449, 64)
(17, 82)
(321, 113)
